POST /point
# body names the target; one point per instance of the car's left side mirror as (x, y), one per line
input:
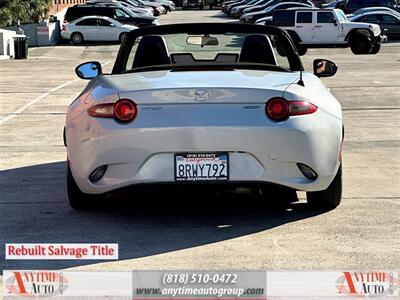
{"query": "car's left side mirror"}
(324, 68)
(88, 70)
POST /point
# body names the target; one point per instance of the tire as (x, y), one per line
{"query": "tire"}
(77, 199)
(361, 44)
(76, 38)
(202, 7)
(329, 198)
(376, 48)
(301, 50)
(167, 9)
(122, 37)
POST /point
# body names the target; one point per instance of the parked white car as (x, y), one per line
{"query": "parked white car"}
(95, 28)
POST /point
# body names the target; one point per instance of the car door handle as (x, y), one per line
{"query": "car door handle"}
(318, 26)
(299, 26)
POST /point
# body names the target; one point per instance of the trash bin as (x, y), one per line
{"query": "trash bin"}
(21, 47)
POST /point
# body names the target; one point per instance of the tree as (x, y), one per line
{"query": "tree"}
(27, 11)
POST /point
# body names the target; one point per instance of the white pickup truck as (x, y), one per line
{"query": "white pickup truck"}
(323, 28)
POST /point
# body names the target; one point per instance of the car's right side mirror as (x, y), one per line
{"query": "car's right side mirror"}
(324, 68)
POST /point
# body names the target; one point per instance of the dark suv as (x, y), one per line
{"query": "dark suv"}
(353, 5)
(118, 13)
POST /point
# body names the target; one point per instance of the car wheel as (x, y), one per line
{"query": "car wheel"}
(375, 48)
(167, 9)
(361, 44)
(77, 199)
(202, 7)
(329, 198)
(301, 50)
(122, 37)
(77, 38)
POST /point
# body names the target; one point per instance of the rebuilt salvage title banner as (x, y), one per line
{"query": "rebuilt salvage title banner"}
(158, 285)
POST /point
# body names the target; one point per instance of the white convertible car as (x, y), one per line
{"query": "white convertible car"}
(220, 104)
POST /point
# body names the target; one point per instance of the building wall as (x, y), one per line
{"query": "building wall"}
(59, 5)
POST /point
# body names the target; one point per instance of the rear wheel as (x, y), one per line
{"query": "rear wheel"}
(77, 199)
(329, 198)
(77, 38)
(301, 50)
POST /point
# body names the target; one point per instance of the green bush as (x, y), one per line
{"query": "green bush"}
(27, 11)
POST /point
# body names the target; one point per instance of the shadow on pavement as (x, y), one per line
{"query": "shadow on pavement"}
(34, 209)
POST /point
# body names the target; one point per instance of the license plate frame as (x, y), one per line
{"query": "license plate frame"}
(222, 157)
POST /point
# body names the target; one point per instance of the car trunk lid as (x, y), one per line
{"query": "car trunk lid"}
(166, 87)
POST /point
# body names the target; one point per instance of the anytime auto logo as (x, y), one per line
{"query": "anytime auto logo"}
(367, 284)
(36, 284)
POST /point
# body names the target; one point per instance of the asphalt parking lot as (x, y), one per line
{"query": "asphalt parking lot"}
(202, 231)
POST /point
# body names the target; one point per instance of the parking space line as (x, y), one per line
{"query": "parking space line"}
(30, 103)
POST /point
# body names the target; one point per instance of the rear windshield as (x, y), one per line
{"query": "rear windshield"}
(216, 49)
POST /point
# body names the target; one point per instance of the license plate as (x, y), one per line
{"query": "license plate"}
(202, 166)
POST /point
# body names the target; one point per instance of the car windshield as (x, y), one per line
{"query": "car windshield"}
(341, 16)
(262, 50)
(126, 13)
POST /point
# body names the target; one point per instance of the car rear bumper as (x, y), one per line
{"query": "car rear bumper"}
(65, 35)
(256, 154)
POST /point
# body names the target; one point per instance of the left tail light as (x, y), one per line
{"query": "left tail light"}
(123, 111)
(280, 109)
